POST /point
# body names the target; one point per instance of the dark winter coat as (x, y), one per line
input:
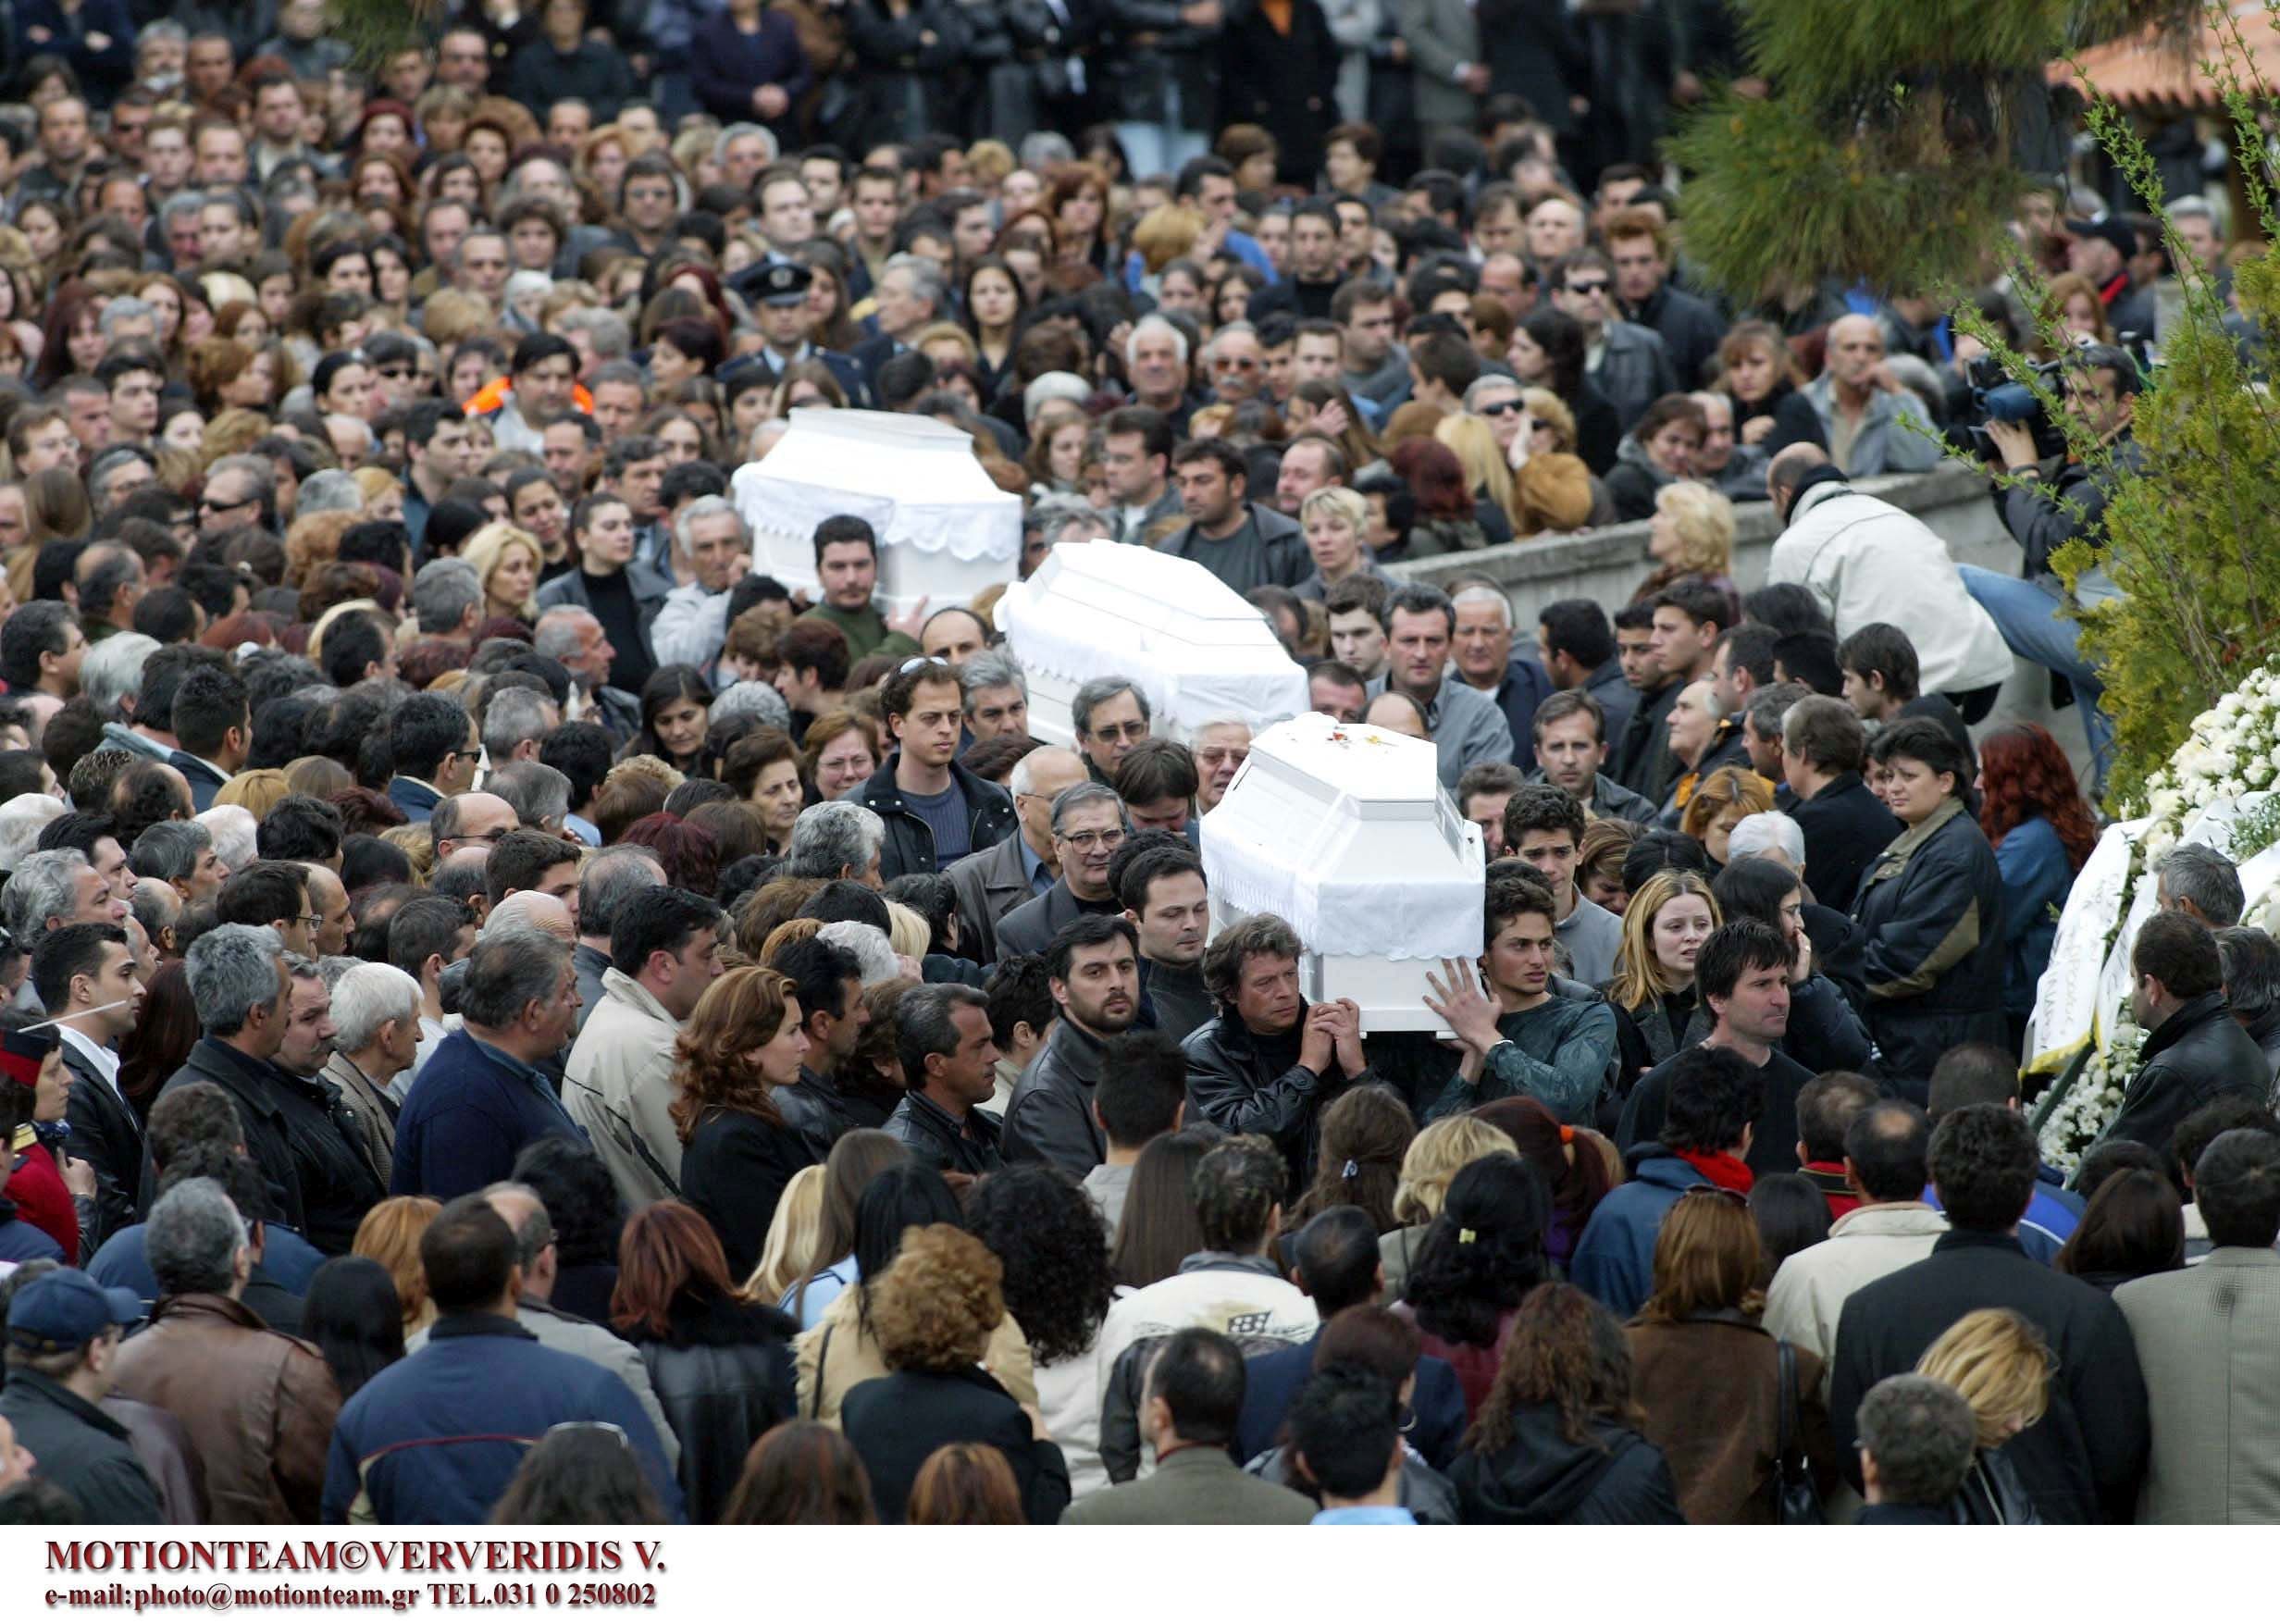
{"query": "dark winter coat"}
(1931, 916)
(896, 1421)
(1245, 1084)
(722, 1374)
(2197, 1054)
(1846, 830)
(908, 848)
(1542, 1476)
(2082, 1461)
(1288, 82)
(733, 1170)
(1049, 1117)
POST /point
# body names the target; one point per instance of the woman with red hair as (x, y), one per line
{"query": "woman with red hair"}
(721, 1363)
(1446, 519)
(2031, 811)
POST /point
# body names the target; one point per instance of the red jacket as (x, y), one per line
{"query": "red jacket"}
(37, 1188)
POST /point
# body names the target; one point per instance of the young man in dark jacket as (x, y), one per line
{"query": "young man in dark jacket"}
(1714, 1096)
(1093, 967)
(2082, 1460)
(1743, 975)
(936, 811)
(1823, 745)
(2195, 1051)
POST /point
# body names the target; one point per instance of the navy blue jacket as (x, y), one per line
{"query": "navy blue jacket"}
(436, 1436)
(466, 1119)
(1615, 1261)
(414, 799)
(1272, 1380)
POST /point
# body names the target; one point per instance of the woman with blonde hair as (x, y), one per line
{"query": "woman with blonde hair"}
(1708, 1376)
(507, 561)
(1657, 1010)
(1487, 475)
(2000, 1361)
(314, 540)
(1721, 801)
(1166, 233)
(1553, 488)
(791, 1232)
(1691, 533)
(257, 792)
(390, 1235)
(2072, 308)
(418, 846)
(1437, 1155)
(1334, 520)
(229, 433)
(383, 493)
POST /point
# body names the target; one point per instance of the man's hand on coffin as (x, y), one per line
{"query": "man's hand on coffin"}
(908, 625)
(1318, 1046)
(1457, 999)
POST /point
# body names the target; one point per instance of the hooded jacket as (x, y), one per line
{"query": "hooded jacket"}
(1542, 1476)
(1615, 1261)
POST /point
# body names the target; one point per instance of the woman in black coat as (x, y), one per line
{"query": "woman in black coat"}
(933, 1314)
(721, 1363)
(1930, 909)
(1558, 1439)
(1281, 72)
(742, 1041)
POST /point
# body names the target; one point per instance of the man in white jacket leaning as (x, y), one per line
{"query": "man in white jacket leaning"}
(1866, 562)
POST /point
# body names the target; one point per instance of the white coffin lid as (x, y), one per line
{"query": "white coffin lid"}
(1198, 649)
(916, 481)
(1344, 830)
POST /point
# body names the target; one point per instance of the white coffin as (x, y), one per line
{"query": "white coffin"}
(945, 531)
(1190, 642)
(1344, 830)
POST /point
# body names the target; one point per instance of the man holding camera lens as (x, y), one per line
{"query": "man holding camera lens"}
(2046, 506)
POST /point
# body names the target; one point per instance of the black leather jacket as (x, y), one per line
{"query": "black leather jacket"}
(723, 1373)
(1049, 1118)
(1244, 1084)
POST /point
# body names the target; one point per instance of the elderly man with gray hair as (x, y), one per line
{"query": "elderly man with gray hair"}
(2200, 881)
(692, 624)
(241, 989)
(485, 1092)
(605, 885)
(539, 795)
(181, 853)
(111, 671)
(447, 599)
(53, 888)
(515, 720)
(1088, 826)
(838, 840)
(375, 1038)
(258, 1405)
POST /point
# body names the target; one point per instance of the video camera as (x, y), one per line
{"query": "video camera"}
(2003, 399)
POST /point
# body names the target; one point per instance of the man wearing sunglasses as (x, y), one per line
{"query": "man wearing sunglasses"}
(1625, 361)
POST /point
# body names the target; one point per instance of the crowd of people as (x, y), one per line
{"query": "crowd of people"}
(515, 1014)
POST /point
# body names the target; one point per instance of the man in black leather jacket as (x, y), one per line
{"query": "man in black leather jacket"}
(1093, 967)
(1269, 1063)
(2196, 1051)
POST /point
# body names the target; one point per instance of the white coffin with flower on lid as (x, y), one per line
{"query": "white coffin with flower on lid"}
(945, 531)
(1189, 641)
(1344, 830)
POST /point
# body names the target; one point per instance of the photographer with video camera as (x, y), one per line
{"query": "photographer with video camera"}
(2053, 498)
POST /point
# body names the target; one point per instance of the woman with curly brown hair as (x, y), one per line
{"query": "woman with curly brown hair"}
(741, 1042)
(1558, 1439)
(721, 1363)
(934, 1312)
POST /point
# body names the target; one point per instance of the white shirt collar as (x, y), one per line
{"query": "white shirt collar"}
(106, 1061)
